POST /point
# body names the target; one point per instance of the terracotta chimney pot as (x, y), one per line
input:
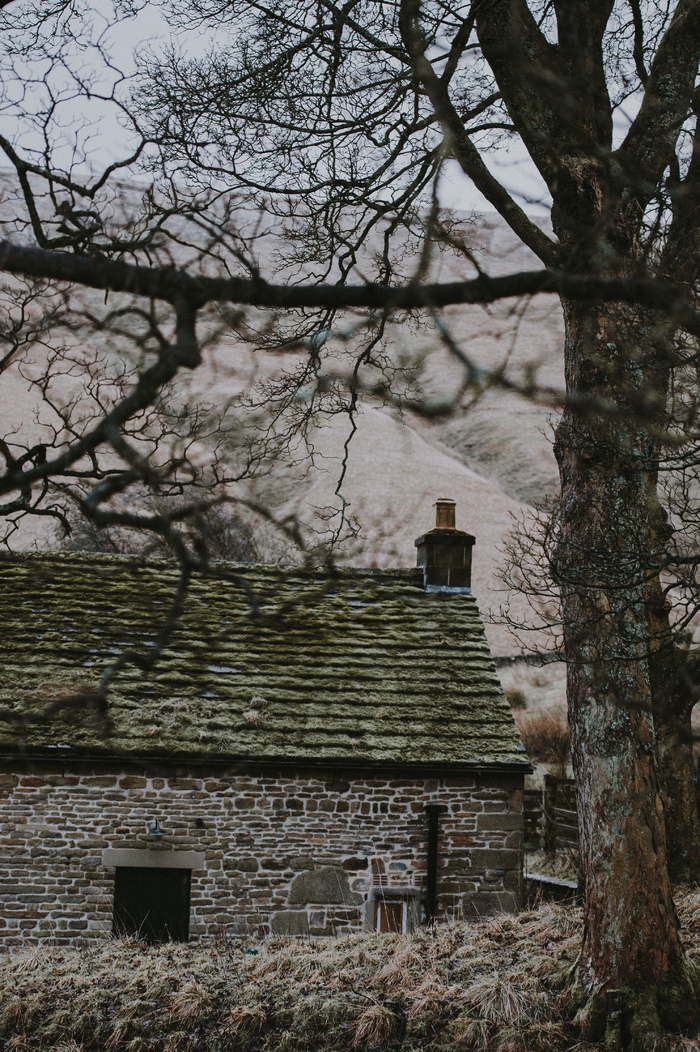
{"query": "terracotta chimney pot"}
(444, 514)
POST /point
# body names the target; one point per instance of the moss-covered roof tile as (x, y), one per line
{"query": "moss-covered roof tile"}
(271, 664)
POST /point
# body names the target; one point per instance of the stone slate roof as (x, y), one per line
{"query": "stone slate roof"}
(267, 663)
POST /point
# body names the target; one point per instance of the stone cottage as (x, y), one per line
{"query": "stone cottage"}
(314, 752)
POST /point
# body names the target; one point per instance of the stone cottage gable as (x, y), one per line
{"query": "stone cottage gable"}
(266, 664)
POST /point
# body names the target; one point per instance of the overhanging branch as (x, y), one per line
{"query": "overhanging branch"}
(178, 287)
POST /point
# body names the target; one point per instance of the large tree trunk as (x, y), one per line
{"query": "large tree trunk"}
(632, 963)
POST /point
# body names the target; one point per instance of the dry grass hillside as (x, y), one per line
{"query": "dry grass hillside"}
(493, 456)
(495, 985)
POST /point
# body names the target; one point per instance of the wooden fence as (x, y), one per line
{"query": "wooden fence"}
(551, 823)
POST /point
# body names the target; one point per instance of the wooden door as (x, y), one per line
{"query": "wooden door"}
(390, 915)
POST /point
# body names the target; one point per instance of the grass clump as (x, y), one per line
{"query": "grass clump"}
(495, 985)
(546, 737)
(564, 864)
(516, 698)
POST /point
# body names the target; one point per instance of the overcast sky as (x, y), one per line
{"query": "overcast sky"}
(110, 141)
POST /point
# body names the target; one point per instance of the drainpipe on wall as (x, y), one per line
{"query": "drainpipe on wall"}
(433, 812)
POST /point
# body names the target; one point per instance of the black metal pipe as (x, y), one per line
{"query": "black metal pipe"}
(433, 812)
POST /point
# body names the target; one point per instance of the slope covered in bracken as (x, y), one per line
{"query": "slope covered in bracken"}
(493, 985)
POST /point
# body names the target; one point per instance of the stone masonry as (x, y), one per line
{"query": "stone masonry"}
(279, 852)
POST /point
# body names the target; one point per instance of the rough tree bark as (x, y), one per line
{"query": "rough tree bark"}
(633, 972)
(632, 967)
(673, 679)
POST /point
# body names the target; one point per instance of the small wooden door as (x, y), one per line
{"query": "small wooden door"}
(390, 915)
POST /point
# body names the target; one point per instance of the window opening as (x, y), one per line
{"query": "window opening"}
(153, 904)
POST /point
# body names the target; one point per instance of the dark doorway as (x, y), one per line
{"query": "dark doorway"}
(153, 904)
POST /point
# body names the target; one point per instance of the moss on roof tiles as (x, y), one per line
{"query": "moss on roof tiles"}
(266, 663)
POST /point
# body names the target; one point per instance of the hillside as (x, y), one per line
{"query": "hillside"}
(491, 454)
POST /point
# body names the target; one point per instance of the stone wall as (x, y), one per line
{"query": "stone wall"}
(278, 852)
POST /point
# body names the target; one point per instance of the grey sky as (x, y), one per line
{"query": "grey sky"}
(109, 140)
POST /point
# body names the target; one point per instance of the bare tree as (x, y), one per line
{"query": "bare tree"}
(336, 120)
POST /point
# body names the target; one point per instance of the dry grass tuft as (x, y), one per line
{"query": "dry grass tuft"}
(517, 698)
(246, 1019)
(30, 959)
(400, 967)
(497, 999)
(376, 1025)
(16, 1014)
(472, 1034)
(564, 864)
(432, 998)
(190, 1004)
(179, 1041)
(493, 985)
(545, 736)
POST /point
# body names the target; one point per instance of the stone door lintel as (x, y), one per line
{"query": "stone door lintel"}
(153, 859)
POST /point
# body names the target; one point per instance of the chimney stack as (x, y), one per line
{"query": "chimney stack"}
(445, 553)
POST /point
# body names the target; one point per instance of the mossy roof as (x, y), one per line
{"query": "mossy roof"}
(266, 663)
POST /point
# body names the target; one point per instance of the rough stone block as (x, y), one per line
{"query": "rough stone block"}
(274, 864)
(512, 881)
(459, 865)
(328, 884)
(494, 858)
(245, 865)
(290, 922)
(488, 821)
(460, 840)
(355, 863)
(301, 862)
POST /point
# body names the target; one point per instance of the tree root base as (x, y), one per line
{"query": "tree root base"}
(639, 1020)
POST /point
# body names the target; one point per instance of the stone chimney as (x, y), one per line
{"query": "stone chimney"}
(445, 553)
